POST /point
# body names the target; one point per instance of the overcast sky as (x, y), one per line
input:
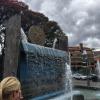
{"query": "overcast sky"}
(79, 19)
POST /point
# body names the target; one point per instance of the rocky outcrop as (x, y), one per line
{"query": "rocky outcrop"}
(12, 46)
(36, 35)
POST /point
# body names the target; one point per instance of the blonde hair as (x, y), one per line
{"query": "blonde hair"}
(8, 85)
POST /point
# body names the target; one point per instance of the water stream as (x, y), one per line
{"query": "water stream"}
(98, 68)
(54, 43)
(68, 82)
(44, 70)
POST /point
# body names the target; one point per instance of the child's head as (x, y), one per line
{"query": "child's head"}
(10, 89)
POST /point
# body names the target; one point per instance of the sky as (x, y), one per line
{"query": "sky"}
(79, 19)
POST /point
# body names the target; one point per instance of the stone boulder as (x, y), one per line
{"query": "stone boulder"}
(36, 35)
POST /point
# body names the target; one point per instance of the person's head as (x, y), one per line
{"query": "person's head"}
(10, 89)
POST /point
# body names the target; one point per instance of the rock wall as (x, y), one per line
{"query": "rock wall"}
(12, 46)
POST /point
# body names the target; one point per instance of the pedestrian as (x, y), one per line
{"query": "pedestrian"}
(10, 89)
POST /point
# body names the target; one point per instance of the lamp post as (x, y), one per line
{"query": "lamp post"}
(86, 61)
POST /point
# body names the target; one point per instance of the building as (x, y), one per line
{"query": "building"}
(82, 58)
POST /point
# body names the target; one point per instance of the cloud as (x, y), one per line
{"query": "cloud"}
(79, 19)
(92, 41)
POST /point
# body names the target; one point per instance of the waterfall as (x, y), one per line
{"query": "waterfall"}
(45, 70)
(98, 68)
(2, 38)
(54, 43)
(68, 81)
(23, 36)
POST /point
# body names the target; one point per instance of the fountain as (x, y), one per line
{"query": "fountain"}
(98, 68)
(54, 43)
(69, 93)
(43, 71)
(68, 80)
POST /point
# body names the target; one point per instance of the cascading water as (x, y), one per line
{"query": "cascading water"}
(46, 67)
(98, 68)
(45, 70)
(69, 93)
(23, 36)
(68, 75)
(24, 40)
(2, 38)
(54, 43)
(68, 81)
